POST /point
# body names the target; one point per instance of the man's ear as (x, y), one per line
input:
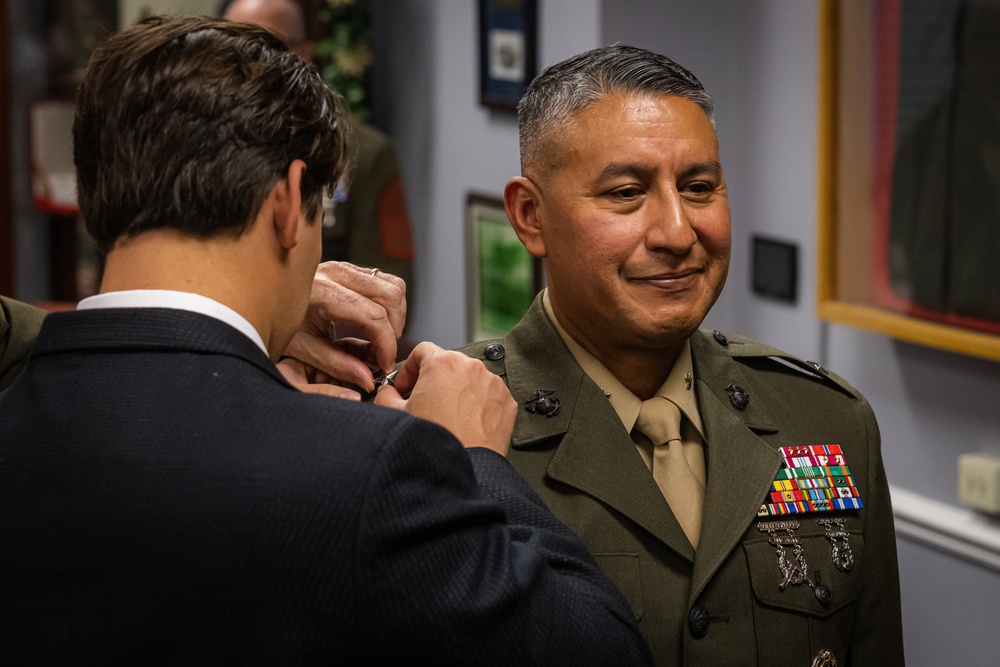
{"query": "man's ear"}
(521, 200)
(287, 209)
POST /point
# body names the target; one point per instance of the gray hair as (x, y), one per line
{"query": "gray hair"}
(570, 86)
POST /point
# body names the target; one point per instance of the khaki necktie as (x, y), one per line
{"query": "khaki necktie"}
(660, 421)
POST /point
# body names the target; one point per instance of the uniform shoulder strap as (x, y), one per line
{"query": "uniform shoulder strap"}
(743, 348)
(490, 352)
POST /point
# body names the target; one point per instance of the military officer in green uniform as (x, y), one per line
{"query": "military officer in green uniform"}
(19, 324)
(734, 493)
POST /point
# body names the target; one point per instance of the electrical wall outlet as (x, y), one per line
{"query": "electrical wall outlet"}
(979, 481)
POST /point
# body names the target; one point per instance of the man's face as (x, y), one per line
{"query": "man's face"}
(635, 223)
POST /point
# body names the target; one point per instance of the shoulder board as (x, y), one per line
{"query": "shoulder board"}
(742, 347)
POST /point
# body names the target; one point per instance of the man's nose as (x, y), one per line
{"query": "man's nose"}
(668, 225)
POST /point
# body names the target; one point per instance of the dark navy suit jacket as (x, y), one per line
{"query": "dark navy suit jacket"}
(167, 498)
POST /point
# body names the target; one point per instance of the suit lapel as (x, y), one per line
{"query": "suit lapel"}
(741, 466)
(596, 454)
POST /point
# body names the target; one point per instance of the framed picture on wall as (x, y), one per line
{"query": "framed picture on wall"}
(507, 51)
(909, 188)
(502, 278)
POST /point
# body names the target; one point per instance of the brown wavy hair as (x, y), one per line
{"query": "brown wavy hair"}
(188, 124)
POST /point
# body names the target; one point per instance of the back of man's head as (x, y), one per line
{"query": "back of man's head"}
(187, 124)
(572, 85)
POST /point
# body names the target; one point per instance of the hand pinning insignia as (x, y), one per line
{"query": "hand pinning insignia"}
(543, 403)
(738, 397)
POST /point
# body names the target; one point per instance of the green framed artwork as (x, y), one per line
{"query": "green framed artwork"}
(502, 278)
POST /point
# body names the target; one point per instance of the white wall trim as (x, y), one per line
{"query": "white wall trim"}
(960, 532)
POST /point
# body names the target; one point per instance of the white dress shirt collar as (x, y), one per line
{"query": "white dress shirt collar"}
(155, 298)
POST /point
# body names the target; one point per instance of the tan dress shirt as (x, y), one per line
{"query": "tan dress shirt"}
(676, 388)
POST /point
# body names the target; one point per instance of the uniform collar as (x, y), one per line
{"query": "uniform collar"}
(677, 388)
(596, 456)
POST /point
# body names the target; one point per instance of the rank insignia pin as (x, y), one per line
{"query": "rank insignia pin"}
(390, 378)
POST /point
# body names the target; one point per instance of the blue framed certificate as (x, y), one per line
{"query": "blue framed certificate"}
(507, 51)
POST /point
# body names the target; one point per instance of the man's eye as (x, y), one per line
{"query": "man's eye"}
(627, 193)
(699, 190)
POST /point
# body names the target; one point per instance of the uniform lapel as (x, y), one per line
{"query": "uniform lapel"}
(595, 454)
(741, 466)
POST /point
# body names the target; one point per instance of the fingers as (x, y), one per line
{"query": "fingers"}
(331, 390)
(352, 297)
(367, 302)
(457, 392)
(299, 376)
(388, 397)
(339, 363)
(410, 369)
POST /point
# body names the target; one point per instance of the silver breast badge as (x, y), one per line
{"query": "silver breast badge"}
(795, 570)
(843, 557)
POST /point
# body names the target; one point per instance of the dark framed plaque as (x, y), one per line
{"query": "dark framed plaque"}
(507, 51)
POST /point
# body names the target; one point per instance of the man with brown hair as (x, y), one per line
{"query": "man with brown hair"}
(166, 497)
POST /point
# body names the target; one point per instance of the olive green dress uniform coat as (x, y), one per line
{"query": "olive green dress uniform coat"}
(586, 467)
(19, 324)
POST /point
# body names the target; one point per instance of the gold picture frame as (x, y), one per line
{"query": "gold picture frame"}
(846, 165)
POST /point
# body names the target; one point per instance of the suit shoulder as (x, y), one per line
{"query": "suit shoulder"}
(755, 354)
